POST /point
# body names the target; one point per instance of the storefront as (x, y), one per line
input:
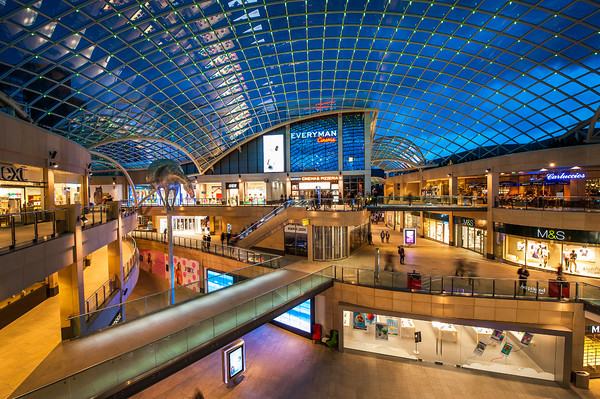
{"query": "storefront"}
(412, 220)
(538, 354)
(390, 219)
(358, 236)
(141, 192)
(307, 187)
(21, 188)
(295, 239)
(576, 251)
(209, 193)
(470, 234)
(591, 348)
(67, 188)
(186, 224)
(436, 226)
(256, 192)
(233, 193)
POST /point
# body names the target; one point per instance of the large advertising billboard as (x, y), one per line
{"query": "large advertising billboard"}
(273, 159)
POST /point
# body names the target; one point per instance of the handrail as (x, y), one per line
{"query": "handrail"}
(34, 218)
(195, 335)
(98, 297)
(38, 211)
(133, 259)
(468, 201)
(168, 293)
(470, 286)
(551, 203)
(243, 255)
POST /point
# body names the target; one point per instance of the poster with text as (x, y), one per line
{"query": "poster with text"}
(392, 326)
(359, 321)
(187, 271)
(381, 331)
(480, 348)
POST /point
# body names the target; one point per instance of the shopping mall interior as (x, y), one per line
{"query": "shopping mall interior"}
(288, 199)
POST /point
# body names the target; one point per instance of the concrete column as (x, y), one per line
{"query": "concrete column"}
(451, 228)
(269, 191)
(421, 224)
(85, 190)
(492, 193)
(49, 189)
(309, 241)
(52, 285)
(224, 192)
(70, 278)
(453, 183)
(288, 162)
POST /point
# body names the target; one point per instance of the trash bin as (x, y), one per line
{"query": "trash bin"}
(582, 379)
(414, 281)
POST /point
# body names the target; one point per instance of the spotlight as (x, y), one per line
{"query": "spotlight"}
(552, 164)
(83, 219)
(114, 181)
(53, 164)
(488, 170)
(52, 154)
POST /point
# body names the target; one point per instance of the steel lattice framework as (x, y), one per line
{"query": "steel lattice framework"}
(449, 78)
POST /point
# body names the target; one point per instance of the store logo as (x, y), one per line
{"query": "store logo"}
(551, 234)
(595, 329)
(10, 173)
(326, 140)
(563, 176)
(326, 134)
(469, 222)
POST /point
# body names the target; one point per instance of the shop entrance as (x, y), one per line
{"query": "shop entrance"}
(296, 240)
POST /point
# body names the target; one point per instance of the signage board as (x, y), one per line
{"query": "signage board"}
(410, 236)
(273, 153)
(232, 185)
(234, 360)
(565, 176)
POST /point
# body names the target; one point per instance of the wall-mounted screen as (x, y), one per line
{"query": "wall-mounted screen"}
(313, 145)
(273, 159)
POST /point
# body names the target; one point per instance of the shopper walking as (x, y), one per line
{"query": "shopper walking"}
(387, 237)
(389, 263)
(401, 253)
(382, 235)
(523, 274)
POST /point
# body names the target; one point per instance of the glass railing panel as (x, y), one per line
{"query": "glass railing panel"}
(506, 288)
(157, 301)
(182, 294)
(293, 289)
(462, 285)
(225, 321)
(280, 296)
(386, 280)
(171, 346)
(134, 363)
(400, 281)
(99, 378)
(134, 309)
(264, 303)
(348, 275)
(201, 333)
(589, 292)
(366, 277)
(245, 312)
(484, 286)
(58, 389)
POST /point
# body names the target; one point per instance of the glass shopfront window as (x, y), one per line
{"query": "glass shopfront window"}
(436, 227)
(330, 242)
(256, 192)
(295, 239)
(187, 225)
(358, 236)
(470, 234)
(412, 220)
(512, 351)
(67, 188)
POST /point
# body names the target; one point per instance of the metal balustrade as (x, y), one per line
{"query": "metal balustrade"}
(95, 215)
(549, 203)
(27, 228)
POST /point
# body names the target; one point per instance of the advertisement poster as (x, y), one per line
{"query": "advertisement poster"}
(273, 160)
(497, 336)
(370, 319)
(392, 326)
(480, 348)
(359, 321)
(381, 331)
(526, 338)
(154, 262)
(506, 349)
(410, 236)
(186, 272)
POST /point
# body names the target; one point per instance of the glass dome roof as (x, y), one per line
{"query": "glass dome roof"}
(454, 79)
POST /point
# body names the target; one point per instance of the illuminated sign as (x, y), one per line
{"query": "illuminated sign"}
(319, 178)
(326, 136)
(273, 160)
(562, 176)
(232, 185)
(305, 222)
(10, 173)
(551, 234)
(410, 236)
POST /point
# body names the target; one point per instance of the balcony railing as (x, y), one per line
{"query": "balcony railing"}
(428, 200)
(26, 228)
(231, 252)
(469, 286)
(95, 215)
(572, 203)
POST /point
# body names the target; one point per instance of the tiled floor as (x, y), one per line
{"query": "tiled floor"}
(283, 365)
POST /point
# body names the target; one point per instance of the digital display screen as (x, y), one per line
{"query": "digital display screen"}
(273, 159)
(236, 361)
(313, 145)
(410, 236)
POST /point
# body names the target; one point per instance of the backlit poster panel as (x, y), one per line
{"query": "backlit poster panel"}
(273, 159)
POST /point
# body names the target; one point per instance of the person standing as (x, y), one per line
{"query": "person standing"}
(370, 238)
(523, 274)
(222, 237)
(382, 235)
(208, 239)
(387, 237)
(401, 253)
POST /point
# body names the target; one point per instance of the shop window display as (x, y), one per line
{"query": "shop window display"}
(518, 353)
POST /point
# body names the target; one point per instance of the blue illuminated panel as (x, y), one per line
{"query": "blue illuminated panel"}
(298, 317)
(217, 280)
(353, 133)
(313, 145)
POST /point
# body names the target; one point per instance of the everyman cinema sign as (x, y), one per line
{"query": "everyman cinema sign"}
(325, 136)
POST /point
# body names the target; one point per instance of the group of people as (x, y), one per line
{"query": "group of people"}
(230, 238)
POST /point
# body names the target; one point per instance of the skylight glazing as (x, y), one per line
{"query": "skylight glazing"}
(451, 79)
